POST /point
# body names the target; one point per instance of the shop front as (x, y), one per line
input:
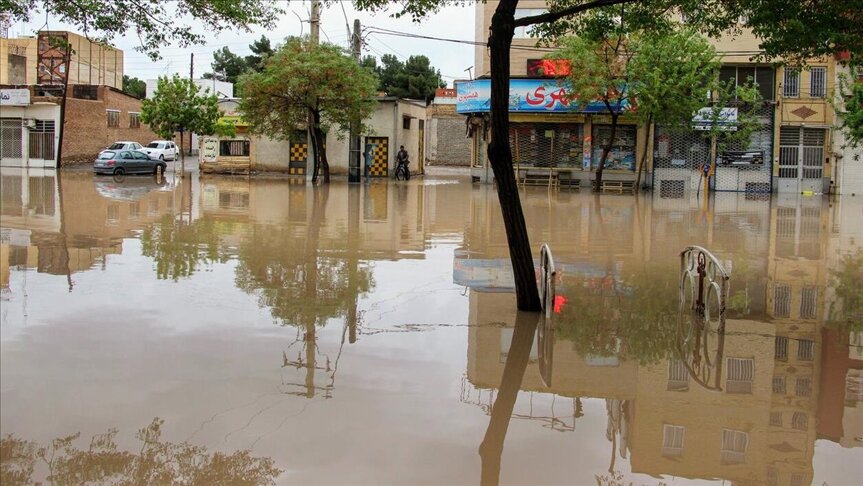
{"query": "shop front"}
(550, 138)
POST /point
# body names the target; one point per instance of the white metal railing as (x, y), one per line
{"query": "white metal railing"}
(547, 274)
(707, 279)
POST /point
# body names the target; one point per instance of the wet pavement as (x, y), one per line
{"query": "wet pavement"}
(253, 330)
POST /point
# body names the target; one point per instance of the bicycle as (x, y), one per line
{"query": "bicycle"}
(402, 172)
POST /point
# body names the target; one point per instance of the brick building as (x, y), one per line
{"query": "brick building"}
(448, 143)
(97, 116)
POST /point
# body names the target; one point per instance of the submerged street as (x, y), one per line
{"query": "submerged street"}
(358, 334)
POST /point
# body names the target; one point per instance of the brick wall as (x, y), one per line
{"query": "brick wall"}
(448, 144)
(87, 130)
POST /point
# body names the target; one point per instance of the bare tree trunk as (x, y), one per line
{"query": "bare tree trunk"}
(500, 156)
(643, 154)
(605, 150)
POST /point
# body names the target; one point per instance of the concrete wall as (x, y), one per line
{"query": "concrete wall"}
(447, 139)
(95, 64)
(87, 130)
(12, 53)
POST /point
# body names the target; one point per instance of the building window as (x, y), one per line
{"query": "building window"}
(10, 137)
(113, 214)
(781, 345)
(800, 421)
(740, 374)
(522, 32)
(779, 385)
(762, 76)
(805, 349)
(134, 210)
(734, 445)
(776, 419)
(803, 387)
(234, 148)
(797, 480)
(808, 296)
(781, 300)
(672, 440)
(678, 376)
(772, 477)
(406, 122)
(153, 207)
(113, 118)
(85, 92)
(134, 120)
(791, 83)
(818, 82)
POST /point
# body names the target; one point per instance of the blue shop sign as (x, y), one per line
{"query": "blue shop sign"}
(525, 96)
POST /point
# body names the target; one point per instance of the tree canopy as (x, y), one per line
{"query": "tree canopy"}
(301, 78)
(179, 106)
(134, 87)
(228, 66)
(415, 78)
(156, 23)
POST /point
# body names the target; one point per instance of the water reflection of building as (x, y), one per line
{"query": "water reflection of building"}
(761, 425)
(61, 227)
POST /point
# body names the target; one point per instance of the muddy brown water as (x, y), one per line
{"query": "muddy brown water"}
(367, 335)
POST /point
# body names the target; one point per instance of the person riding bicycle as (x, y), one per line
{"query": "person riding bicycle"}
(402, 160)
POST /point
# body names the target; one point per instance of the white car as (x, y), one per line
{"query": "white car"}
(124, 145)
(162, 150)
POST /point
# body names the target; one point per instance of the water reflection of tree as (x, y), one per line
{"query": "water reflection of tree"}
(156, 462)
(179, 248)
(846, 282)
(633, 318)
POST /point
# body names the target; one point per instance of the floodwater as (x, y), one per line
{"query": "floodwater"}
(235, 330)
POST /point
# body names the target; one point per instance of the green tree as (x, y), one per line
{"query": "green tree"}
(227, 66)
(261, 51)
(317, 86)
(134, 87)
(155, 23)
(413, 79)
(850, 106)
(178, 106)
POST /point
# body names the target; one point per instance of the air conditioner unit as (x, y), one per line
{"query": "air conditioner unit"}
(30, 122)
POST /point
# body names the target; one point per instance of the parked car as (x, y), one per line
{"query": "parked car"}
(162, 150)
(119, 162)
(124, 145)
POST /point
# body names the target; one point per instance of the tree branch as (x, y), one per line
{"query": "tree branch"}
(553, 16)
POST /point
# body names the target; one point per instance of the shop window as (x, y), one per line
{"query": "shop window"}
(234, 148)
(559, 145)
(622, 154)
(134, 120)
(113, 118)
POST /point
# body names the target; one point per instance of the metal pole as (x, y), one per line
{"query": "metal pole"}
(354, 162)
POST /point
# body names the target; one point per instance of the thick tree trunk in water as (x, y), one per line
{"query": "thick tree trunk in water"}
(643, 155)
(605, 150)
(500, 156)
(319, 153)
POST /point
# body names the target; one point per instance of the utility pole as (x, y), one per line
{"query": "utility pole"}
(355, 155)
(316, 22)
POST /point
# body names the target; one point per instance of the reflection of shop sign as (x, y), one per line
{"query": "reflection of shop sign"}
(726, 119)
(210, 150)
(14, 97)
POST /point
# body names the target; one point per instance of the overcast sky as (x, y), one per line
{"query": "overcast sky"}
(452, 59)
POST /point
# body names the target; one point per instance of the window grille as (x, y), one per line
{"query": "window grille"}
(10, 137)
(800, 421)
(791, 83)
(734, 445)
(853, 388)
(234, 148)
(781, 345)
(797, 480)
(41, 140)
(678, 376)
(113, 118)
(740, 374)
(772, 477)
(781, 300)
(672, 440)
(776, 419)
(134, 210)
(113, 214)
(134, 120)
(803, 387)
(779, 385)
(805, 350)
(818, 82)
(42, 193)
(557, 145)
